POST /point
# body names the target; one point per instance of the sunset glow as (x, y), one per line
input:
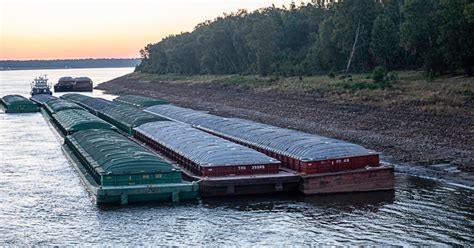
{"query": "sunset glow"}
(49, 29)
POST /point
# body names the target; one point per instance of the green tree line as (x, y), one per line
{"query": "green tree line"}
(324, 36)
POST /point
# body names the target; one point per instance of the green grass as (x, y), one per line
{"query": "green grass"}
(405, 88)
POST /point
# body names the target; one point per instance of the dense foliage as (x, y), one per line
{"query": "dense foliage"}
(322, 37)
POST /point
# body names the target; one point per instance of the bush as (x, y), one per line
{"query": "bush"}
(360, 86)
(331, 75)
(378, 75)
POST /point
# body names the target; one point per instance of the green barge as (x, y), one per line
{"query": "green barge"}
(139, 101)
(18, 104)
(117, 170)
(70, 121)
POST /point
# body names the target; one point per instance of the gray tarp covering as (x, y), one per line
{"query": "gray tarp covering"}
(95, 104)
(291, 143)
(43, 98)
(200, 147)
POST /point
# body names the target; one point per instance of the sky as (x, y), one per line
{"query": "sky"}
(70, 29)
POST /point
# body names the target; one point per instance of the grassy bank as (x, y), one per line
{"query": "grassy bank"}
(445, 94)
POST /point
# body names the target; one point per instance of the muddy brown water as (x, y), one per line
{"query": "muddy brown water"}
(43, 201)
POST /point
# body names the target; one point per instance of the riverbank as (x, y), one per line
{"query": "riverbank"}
(415, 122)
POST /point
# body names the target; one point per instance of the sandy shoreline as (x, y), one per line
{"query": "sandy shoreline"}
(422, 143)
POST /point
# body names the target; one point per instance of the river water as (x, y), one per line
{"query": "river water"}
(43, 201)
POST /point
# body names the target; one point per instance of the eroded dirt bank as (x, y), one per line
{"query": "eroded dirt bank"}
(440, 144)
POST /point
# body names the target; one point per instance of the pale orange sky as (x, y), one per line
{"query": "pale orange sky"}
(53, 29)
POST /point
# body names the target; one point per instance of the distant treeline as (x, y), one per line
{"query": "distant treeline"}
(66, 63)
(324, 36)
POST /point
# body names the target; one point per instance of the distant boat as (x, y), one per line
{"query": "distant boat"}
(82, 84)
(64, 84)
(68, 84)
(40, 85)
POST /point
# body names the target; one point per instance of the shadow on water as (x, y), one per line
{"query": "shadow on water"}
(369, 201)
(293, 202)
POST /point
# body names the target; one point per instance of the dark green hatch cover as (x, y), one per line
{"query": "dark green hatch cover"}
(57, 105)
(73, 120)
(139, 101)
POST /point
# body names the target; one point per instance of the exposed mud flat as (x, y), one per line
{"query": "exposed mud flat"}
(440, 145)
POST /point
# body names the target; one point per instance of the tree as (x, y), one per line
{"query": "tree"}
(263, 41)
(419, 32)
(384, 39)
(456, 36)
(353, 24)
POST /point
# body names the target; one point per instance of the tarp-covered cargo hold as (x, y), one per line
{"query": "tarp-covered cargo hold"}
(202, 153)
(73, 120)
(139, 101)
(57, 105)
(41, 99)
(17, 104)
(126, 118)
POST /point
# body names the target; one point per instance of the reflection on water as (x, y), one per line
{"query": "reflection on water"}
(42, 201)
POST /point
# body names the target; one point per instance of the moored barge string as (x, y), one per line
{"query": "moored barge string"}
(321, 161)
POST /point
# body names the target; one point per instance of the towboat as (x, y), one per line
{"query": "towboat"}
(40, 85)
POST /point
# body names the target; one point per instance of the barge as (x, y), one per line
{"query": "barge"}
(117, 170)
(82, 84)
(79, 84)
(70, 121)
(221, 167)
(41, 99)
(126, 118)
(17, 104)
(139, 101)
(325, 165)
(64, 84)
(93, 105)
(57, 105)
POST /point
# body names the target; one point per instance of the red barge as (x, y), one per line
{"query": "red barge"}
(324, 165)
(221, 167)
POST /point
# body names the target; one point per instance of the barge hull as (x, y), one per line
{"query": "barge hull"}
(361, 180)
(172, 192)
(245, 185)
